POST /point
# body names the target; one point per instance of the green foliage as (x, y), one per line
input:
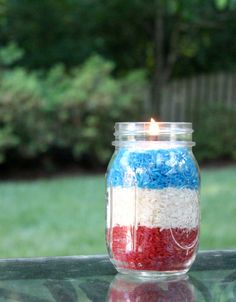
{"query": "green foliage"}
(221, 4)
(21, 111)
(85, 104)
(10, 54)
(196, 33)
(215, 133)
(72, 111)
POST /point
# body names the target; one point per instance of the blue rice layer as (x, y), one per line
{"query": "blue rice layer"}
(154, 169)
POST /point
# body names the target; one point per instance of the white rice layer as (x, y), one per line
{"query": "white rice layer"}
(165, 208)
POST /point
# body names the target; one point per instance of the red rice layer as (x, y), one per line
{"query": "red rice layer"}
(148, 248)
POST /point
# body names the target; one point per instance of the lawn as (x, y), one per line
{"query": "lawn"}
(65, 216)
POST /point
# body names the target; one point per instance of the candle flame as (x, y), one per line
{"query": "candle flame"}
(154, 127)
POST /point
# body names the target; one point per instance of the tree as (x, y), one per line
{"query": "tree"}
(167, 38)
(186, 31)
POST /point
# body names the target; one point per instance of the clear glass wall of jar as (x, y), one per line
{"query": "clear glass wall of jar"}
(153, 199)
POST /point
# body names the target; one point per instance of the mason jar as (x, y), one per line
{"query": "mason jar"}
(153, 181)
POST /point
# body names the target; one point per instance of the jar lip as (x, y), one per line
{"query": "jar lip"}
(153, 144)
(127, 128)
(167, 123)
(169, 132)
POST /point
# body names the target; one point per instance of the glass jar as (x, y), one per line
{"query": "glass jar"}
(153, 181)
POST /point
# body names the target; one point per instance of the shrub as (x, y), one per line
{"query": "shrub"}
(85, 104)
(72, 111)
(75, 112)
(215, 130)
(21, 110)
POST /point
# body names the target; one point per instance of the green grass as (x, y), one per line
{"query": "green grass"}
(218, 208)
(65, 216)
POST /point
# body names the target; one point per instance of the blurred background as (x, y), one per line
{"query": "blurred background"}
(69, 69)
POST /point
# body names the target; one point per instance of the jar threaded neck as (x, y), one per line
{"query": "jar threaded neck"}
(177, 133)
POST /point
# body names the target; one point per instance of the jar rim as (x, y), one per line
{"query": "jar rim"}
(178, 132)
(188, 123)
(127, 128)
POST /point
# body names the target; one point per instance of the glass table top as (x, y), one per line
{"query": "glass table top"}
(93, 278)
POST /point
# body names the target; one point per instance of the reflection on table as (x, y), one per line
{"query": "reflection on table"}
(93, 279)
(124, 288)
